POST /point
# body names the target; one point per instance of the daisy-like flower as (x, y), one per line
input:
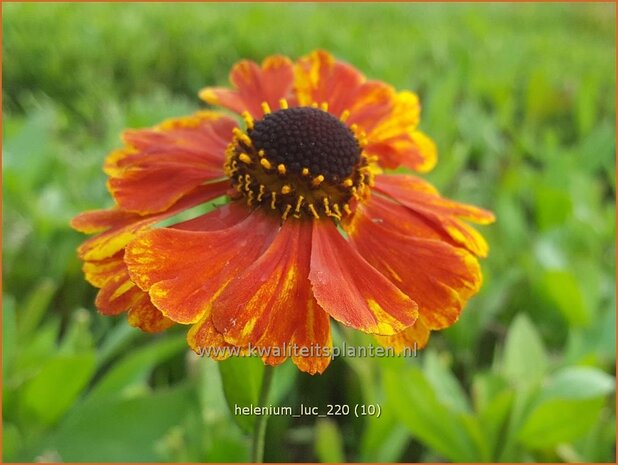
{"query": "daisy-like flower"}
(307, 225)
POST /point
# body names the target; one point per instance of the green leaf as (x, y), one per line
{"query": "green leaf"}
(418, 407)
(136, 366)
(11, 440)
(493, 402)
(242, 377)
(579, 383)
(328, 442)
(563, 289)
(48, 395)
(34, 309)
(123, 430)
(553, 207)
(445, 384)
(9, 335)
(524, 359)
(384, 439)
(558, 420)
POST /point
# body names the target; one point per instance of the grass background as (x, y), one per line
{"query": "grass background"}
(521, 102)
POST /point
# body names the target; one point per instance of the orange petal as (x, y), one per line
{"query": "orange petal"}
(396, 140)
(413, 150)
(204, 339)
(117, 291)
(93, 221)
(319, 77)
(254, 84)
(371, 103)
(160, 165)
(270, 305)
(120, 227)
(403, 117)
(255, 307)
(396, 217)
(351, 290)
(222, 217)
(414, 337)
(442, 213)
(147, 317)
(185, 270)
(118, 294)
(313, 331)
(440, 278)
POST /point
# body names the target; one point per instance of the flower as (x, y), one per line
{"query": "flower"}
(304, 224)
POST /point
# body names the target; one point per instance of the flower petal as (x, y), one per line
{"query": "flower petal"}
(313, 331)
(413, 150)
(119, 294)
(351, 290)
(255, 307)
(389, 118)
(442, 213)
(147, 317)
(396, 140)
(116, 289)
(440, 278)
(222, 217)
(185, 270)
(319, 77)
(204, 339)
(254, 84)
(120, 227)
(394, 216)
(160, 165)
(270, 305)
(414, 337)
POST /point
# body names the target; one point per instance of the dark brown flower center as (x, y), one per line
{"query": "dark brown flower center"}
(307, 137)
(300, 162)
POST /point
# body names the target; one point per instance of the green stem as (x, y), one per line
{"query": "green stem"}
(259, 433)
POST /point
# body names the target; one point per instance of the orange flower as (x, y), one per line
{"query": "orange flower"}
(305, 225)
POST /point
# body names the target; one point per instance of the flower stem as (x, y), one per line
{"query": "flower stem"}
(259, 433)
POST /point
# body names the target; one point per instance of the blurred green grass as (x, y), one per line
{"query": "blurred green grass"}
(521, 102)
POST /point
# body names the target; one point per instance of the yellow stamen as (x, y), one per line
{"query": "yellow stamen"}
(283, 104)
(261, 193)
(347, 209)
(317, 180)
(265, 108)
(326, 206)
(250, 198)
(261, 153)
(313, 212)
(314, 105)
(305, 171)
(248, 119)
(242, 136)
(324, 106)
(247, 182)
(344, 116)
(245, 158)
(288, 207)
(348, 182)
(265, 163)
(299, 202)
(337, 211)
(274, 199)
(281, 168)
(286, 189)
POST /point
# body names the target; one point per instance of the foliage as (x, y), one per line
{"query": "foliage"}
(521, 102)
